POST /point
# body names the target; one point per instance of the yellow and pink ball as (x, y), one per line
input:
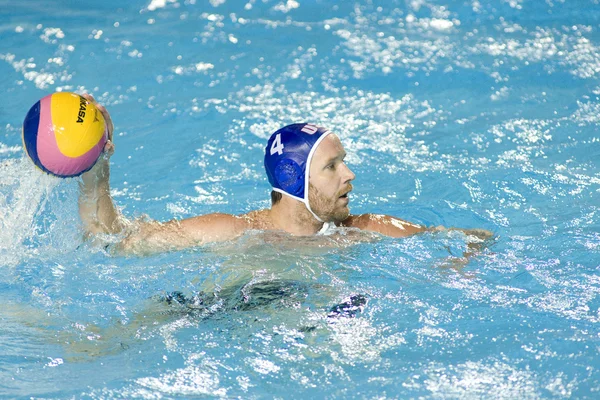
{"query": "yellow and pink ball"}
(64, 134)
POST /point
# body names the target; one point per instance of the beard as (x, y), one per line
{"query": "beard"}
(328, 208)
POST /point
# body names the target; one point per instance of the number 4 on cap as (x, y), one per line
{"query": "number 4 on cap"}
(277, 146)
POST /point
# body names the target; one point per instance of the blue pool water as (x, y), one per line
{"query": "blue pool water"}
(459, 113)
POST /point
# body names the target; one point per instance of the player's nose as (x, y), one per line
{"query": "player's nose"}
(348, 174)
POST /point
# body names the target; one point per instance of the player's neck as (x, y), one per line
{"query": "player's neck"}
(292, 216)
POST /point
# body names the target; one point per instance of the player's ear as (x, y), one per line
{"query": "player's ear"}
(289, 175)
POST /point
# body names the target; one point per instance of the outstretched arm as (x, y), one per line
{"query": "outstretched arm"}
(384, 224)
(396, 227)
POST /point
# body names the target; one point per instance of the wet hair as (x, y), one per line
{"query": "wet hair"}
(275, 197)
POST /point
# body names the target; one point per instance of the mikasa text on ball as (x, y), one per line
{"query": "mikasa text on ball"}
(64, 134)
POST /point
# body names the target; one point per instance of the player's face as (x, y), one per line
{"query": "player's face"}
(330, 181)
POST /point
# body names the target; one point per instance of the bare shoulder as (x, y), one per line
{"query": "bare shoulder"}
(257, 219)
(214, 218)
(384, 224)
(218, 227)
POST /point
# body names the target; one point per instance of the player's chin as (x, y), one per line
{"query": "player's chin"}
(341, 214)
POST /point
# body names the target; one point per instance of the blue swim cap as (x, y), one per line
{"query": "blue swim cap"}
(287, 158)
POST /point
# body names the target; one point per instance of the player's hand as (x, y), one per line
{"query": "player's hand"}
(109, 147)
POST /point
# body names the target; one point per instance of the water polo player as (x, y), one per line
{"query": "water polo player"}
(311, 193)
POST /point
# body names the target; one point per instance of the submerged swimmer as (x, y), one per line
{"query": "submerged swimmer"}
(311, 194)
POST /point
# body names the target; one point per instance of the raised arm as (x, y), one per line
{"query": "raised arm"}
(100, 215)
(96, 208)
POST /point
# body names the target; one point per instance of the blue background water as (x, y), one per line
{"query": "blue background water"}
(456, 113)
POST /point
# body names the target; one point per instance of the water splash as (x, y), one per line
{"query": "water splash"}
(36, 219)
